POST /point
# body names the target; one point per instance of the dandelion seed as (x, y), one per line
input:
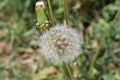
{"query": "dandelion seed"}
(61, 43)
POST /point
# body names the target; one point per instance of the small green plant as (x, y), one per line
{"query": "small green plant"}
(61, 43)
(21, 50)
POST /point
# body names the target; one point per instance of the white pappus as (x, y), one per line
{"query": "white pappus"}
(61, 43)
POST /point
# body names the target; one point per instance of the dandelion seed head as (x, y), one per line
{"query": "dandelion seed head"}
(61, 43)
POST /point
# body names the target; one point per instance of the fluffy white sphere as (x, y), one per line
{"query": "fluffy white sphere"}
(61, 43)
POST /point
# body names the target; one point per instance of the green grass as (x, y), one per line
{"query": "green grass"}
(20, 56)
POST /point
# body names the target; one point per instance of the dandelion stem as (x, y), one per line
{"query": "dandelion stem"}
(102, 42)
(50, 11)
(66, 12)
(67, 71)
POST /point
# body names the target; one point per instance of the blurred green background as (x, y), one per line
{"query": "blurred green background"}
(20, 57)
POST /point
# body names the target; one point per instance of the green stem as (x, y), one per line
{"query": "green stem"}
(50, 11)
(66, 12)
(67, 71)
(102, 42)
